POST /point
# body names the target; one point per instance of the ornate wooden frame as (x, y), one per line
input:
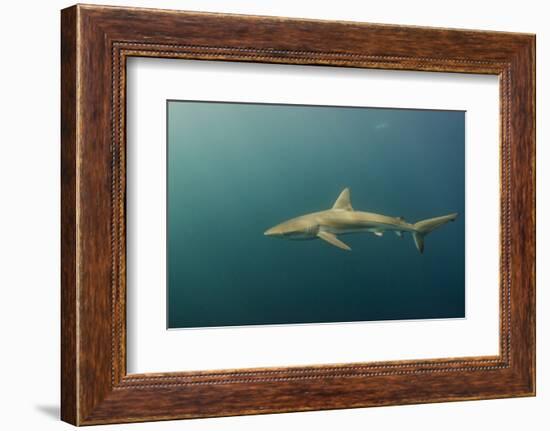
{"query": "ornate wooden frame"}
(95, 42)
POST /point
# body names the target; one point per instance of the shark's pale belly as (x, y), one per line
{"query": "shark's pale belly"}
(343, 223)
(345, 230)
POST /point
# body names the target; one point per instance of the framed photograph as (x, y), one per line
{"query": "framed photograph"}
(264, 214)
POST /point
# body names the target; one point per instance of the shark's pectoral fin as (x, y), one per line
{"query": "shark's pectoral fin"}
(378, 232)
(333, 239)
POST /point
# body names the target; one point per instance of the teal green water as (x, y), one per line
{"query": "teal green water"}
(235, 170)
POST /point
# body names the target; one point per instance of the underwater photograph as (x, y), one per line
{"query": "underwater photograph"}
(300, 214)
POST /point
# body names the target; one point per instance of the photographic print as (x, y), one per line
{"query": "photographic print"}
(275, 221)
(299, 214)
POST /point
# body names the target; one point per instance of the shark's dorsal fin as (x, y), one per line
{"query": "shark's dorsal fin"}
(344, 201)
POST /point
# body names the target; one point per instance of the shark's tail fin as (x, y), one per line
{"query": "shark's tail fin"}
(424, 227)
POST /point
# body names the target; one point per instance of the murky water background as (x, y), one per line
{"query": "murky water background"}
(235, 170)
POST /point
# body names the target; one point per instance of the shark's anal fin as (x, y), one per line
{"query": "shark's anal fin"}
(332, 239)
(344, 201)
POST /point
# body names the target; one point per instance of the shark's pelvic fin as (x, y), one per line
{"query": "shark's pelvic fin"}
(344, 201)
(399, 233)
(333, 239)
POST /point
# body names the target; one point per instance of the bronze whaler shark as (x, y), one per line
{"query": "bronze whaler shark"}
(343, 219)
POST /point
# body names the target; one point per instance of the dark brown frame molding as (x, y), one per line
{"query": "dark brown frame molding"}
(95, 43)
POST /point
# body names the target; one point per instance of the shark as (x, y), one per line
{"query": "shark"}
(343, 219)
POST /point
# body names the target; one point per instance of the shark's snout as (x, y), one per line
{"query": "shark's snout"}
(272, 232)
